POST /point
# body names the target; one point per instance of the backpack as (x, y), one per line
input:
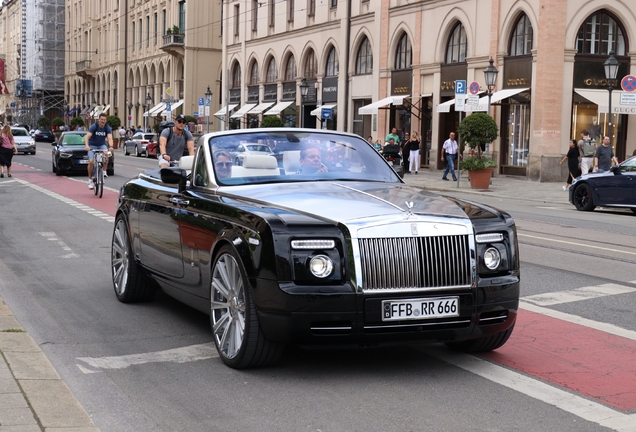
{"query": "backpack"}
(162, 126)
(589, 147)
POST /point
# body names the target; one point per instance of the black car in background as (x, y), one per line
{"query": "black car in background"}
(614, 188)
(70, 155)
(42, 135)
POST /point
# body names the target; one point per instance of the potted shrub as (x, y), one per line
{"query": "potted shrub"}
(272, 121)
(44, 123)
(176, 30)
(76, 122)
(57, 123)
(191, 121)
(477, 130)
(114, 122)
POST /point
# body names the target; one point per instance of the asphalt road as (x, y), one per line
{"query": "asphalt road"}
(152, 367)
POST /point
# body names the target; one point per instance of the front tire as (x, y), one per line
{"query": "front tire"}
(137, 154)
(237, 333)
(126, 152)
(484, 344)
(582, 198)
(130, 284)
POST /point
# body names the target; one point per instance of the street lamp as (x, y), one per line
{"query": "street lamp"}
(146, 108)
(304, 89)
(490, 75)
(208, 104)
(130, 106)
(611, 70)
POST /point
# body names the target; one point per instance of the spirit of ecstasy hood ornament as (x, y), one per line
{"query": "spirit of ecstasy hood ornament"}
(409, 206)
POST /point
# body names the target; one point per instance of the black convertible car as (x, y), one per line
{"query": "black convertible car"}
(614, 188)
(319, 244)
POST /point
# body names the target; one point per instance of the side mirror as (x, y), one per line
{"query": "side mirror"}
(614, 169)
(173, 175)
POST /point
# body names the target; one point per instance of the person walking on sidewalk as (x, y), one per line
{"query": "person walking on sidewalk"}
(414, 152)
(405, 146)
(450, 152)
(587, 148)
(7, 150)
(573, 163)
(604, 156)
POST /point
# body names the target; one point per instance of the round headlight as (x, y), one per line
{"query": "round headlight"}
(492, 258)
(321, 266)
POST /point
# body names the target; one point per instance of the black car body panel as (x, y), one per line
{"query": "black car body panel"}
(69, 154)
(41, 135)
(387, 242)
(613, 188)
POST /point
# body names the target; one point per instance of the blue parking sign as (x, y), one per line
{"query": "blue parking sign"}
(460, 87)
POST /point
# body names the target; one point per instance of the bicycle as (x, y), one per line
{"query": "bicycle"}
(98, 172)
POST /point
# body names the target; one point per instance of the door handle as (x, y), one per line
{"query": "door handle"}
(179, 201)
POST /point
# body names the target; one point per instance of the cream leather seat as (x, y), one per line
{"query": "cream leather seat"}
(256, 166)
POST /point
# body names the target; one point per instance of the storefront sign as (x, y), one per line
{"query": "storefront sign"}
(289, 91)
(517, 71)
(589, 74)
(270, 92)
(330, 89)
(401, 82)
(252, 94)
(449, 74)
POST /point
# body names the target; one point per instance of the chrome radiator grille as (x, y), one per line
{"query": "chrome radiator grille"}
(415, 262)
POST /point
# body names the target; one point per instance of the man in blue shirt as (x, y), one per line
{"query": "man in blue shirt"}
(98, 134)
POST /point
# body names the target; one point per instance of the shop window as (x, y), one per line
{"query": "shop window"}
(457, 45)
(236, 76)
(332, 63)
(272, 74)
(254, 73)
(311, 68)
(403, 54)
(364, 58)
(290, 69)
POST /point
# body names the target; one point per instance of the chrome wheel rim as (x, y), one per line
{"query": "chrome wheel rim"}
(120, 257)
(227, 303)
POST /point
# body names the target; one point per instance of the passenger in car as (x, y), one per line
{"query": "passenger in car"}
(310, 161)
(223, 164)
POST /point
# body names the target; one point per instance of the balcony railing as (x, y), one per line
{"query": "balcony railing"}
(82, 65)
(173, 40)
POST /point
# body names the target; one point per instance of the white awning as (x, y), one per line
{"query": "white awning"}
(85, 110)
(155, 109)
(373, 107)
(318, 111)
(496, 97)
(601, 98)
(226, 109)
(173, 106)
(278, 108)
(100, 109)
(261, 107)
(243, 110)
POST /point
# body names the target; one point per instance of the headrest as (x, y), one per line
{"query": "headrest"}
(260, 161)
(186, 162)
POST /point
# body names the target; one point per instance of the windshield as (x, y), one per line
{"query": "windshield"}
(19, 132)
(296, 156)
(73, 139)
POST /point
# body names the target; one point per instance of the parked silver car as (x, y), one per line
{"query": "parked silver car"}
(23, 141)
(137, 144)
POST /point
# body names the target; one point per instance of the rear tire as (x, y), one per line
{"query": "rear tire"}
(484, 344)
(237, 333)
(130, 284)
(126, 150)
(582, 198)
(137, 154)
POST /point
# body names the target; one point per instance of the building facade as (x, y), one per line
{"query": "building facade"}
(142, 60)
(31, 59)
(378, 64)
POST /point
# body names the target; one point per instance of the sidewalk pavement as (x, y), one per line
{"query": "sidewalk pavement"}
(33, 397)
(512, 187)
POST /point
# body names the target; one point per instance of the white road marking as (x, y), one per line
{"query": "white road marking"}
(584, 293)
(51, 236)
(566, 401)
(570, 243)
(78, 205)
(601, 326)
(177, 355)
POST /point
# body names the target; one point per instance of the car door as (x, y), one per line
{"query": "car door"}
(620, 188)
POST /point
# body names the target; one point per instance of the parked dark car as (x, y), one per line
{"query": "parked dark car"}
(42, 135)
(614, 188)
(70, 156)
(137, 144)
(333, 249)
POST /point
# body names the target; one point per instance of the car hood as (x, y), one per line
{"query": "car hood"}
(73, 149)
(335, 202)
(22, 139)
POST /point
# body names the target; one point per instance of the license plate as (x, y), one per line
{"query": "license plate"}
(417, 309)
(82, 161)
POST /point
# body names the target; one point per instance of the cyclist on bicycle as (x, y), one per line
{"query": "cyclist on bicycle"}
(178, 138)
(98, 134)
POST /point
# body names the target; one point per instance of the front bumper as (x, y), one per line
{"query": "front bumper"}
(25, 148)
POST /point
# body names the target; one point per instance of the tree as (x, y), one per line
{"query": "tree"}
(191, 119)
(477, 130)
(9, 118)
(272, 121)
(113, 121)
(58, 121)
(44, 122)
(76, 122)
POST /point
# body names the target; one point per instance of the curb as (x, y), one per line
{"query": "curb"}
(33, 397)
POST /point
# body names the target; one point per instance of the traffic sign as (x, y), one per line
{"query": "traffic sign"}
(199, 119)
(168, 107)
(12, 104)
(628, 83)
(460, 87)
(473, 88)
(169, 91)
(326, 113)
(460, 93)
(195, 114)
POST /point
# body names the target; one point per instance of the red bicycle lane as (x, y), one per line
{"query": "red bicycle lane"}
(72, 189)
(589, 362)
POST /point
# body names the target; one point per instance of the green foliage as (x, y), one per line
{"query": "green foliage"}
(191, 119)
(272, 121)
(176, 29)
(76, 122)
(169, 31)
(113, 121)
(9, 117)
(477, 130)
(58, 121)
(44, 122)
